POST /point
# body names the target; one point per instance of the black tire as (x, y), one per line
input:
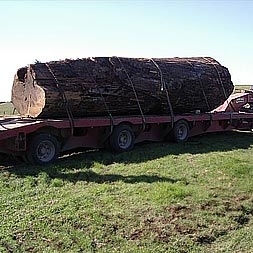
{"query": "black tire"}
(180, 132)
(122, 138)
(42, 149)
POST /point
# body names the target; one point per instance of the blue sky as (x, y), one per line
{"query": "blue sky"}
(53, 30)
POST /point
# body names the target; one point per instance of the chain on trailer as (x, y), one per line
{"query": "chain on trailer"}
(201, 84)
(133, 87)
(219, 77)
(164, 87)
(65, 100)
(103, 98)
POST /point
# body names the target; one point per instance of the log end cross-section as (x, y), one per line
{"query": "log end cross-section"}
(27, 97)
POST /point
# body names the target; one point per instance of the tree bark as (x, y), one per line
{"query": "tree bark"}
(120, 86)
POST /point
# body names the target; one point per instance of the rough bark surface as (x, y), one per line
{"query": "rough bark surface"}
(120, 86)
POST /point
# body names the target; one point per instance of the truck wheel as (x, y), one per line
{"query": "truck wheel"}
(42, 149)
(180, 131)
(122, 138)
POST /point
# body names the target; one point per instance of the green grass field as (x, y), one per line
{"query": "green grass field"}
(7, 109)
(191, 197)
(241, 88)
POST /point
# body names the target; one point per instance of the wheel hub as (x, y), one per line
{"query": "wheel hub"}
(45, 151)
(124, 139)
(182, 132)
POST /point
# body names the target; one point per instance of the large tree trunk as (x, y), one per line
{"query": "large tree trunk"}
(120, 86)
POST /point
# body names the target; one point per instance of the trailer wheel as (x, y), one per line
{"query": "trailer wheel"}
(122, 138)
(42, 149)
(180, 132)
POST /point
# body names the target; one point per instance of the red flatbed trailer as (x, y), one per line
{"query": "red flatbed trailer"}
(39, 141)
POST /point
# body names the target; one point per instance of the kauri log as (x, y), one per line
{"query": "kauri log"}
(120, 86)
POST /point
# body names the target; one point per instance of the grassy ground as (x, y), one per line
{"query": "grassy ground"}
(241, 88)
(192, 197)
(6, 109)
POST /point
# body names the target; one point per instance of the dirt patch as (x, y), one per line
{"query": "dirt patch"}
(202, 224)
